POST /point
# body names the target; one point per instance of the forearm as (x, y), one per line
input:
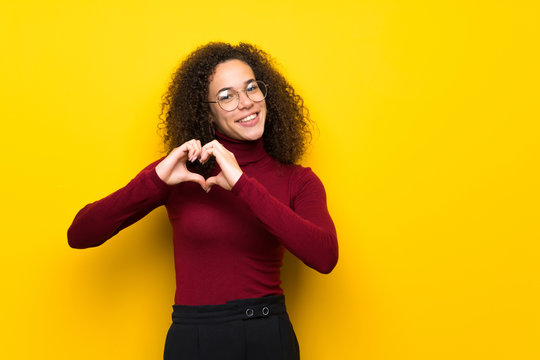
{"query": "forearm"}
(307, 231)
(99, 221)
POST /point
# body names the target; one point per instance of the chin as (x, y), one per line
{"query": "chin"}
(253, 136)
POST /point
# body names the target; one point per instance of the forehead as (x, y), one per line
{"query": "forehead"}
(231, 73)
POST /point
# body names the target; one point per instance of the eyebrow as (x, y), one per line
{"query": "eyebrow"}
(228, 88)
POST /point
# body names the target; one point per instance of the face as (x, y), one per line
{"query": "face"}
(245, 122)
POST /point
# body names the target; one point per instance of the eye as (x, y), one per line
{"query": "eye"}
(252, 87)
(226, 96)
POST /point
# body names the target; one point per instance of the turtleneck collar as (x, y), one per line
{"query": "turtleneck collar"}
(245, 152)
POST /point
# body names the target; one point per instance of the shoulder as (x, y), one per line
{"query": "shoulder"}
(300, 174)
(303, 179)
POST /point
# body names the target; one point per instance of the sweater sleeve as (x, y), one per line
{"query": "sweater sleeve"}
(306, 228)
(99, 221)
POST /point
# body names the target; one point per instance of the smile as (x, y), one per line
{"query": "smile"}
(247, 118)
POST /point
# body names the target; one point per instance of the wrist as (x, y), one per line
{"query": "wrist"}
(235, 177)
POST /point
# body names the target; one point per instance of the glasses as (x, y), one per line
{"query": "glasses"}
(229, 99)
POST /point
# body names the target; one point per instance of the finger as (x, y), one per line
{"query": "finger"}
(209, 144)
(198, 149)
(207, 151)
(218, 180)
(211, 181)
(191, 151)
(165, 169)
(221, 154)
(179, 151)
(212, 144)
(196, 178)
(205, 154)
(177, 154)
(186, 151)
(216, 152)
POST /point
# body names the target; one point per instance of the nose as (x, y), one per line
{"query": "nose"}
(244, 101)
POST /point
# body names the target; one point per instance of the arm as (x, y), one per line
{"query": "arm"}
(99, 221)
(306, 229)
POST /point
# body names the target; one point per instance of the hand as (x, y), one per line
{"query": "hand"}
(172, 170)
(230, 170)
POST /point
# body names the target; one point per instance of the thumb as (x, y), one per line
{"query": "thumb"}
(196, 178)
(211, 181)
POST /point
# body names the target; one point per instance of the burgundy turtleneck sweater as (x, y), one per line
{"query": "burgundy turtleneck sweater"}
(227, 244)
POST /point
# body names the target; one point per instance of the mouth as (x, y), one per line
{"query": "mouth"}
(249, 120)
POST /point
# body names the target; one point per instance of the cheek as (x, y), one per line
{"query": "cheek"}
(214, 115)
(219, 119)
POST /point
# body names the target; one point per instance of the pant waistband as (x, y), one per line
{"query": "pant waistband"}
(243, 309)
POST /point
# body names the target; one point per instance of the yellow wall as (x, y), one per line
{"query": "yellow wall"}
(427, 144)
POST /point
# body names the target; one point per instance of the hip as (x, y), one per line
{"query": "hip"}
(257, 328)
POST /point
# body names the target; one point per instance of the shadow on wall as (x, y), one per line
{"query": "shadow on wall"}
(291, 278)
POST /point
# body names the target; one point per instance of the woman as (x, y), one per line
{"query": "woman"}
(235, 199)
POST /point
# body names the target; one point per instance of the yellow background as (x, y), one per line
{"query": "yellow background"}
(427, 143)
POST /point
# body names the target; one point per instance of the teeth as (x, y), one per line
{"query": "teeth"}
(248, 118)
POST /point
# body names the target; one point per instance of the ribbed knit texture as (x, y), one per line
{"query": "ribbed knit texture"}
(227, 244)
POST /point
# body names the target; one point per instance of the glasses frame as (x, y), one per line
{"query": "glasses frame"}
(238, 96)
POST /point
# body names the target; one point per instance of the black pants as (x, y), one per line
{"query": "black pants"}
(247, 329)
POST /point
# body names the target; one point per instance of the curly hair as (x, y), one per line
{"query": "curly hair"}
(185, 115)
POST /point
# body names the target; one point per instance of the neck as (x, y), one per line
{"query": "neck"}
(245, 151)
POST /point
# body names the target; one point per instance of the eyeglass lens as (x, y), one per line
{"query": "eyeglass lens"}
(229, 99)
